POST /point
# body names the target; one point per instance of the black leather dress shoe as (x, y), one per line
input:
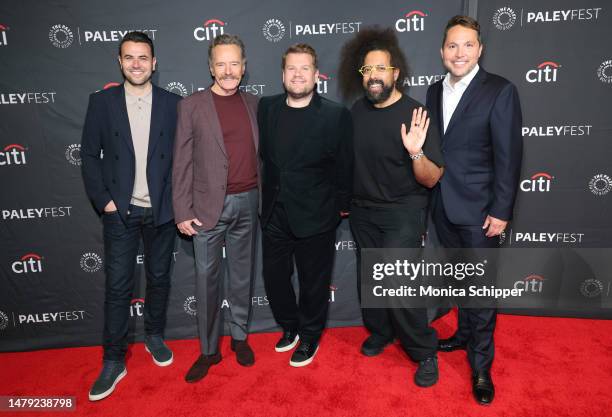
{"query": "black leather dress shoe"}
(482, 387)
(450, 344)
(200, 367)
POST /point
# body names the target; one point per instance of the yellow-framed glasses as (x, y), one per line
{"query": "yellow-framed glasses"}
(367, 69)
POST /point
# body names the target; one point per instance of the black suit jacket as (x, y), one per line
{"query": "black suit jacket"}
(107, 129)
(317, 179)
(482, 149)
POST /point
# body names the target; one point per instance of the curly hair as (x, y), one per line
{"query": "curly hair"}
(353, 53)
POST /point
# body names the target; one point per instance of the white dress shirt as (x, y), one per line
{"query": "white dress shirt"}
(452, 94)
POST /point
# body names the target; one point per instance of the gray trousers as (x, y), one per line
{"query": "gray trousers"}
(237, 228)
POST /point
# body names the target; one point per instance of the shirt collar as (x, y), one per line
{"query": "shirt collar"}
(462, 83)
(147, 98)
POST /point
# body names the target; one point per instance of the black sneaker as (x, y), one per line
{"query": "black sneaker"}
(304, 354)
(161, 353)
(427, 373)
(112, 373)
(287, 342)
(374, 345)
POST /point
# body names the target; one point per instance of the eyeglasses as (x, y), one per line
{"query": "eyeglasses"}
(367, 69)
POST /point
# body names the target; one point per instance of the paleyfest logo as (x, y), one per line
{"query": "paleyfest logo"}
(91, 262)
(504, 18)
(73, 154)
(604, 72)
(4, 320)
(177, 88)
(61, 36)
(600, 184)
(190, 306)
(273, 30)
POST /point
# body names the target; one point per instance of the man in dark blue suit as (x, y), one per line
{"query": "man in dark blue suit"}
(133, 125)
(479, 115)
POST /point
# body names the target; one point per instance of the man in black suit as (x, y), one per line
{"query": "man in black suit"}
(306, 155)
(133, 125)
(479, 115)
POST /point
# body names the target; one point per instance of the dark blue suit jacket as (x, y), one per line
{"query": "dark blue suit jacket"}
(107, 129)
(482, 149)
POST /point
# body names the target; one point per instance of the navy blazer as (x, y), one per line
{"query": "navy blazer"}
(482, 148)
(111, 177)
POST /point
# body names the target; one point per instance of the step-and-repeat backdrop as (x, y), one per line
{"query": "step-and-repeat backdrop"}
(54, 54)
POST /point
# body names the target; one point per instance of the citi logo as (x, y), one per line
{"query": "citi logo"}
(539, 182)
(106, 86)
(209, 30)
(30, 262)
(332, 293)
(13, 155)
(531, 284)
(546, 72)
(137, 307)
(110, 85)
(414, 21)
(3, 29)
(322, 83)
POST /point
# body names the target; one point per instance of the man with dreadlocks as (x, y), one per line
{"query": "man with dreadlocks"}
(397, 160)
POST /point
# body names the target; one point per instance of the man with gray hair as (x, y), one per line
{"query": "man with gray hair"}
(215, 198)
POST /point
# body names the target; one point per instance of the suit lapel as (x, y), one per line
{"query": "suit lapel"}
(119, 109)
(467, 97)
(437, 107)
(273, 117)
(157, 115)
(210, 113)
(252, 121)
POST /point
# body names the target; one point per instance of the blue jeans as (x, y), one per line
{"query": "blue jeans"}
(121, 241)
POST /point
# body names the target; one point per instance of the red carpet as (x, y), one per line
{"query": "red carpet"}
(544, 367)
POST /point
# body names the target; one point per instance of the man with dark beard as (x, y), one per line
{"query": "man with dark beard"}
(306, 157)
(395, 166)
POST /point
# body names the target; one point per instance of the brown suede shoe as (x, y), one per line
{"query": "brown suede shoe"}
(244, 353)
(200, 367)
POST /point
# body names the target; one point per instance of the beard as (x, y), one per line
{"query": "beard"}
(296, 95)
(380, 97)
(134, 81)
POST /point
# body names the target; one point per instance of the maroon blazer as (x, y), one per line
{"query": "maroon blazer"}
(200, 162)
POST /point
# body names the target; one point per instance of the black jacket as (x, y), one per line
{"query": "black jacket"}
(317, 178)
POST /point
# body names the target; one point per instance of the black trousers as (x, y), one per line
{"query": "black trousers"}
(314, 259)
(394, 227)
(121, 241)
(476, 326)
